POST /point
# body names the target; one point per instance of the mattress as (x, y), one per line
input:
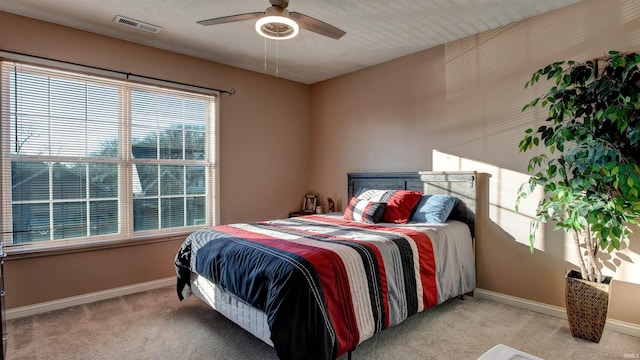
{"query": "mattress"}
(453, 274)
(246, 316)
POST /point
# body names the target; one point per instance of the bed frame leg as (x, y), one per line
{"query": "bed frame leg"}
(470, 294)
(349, 354)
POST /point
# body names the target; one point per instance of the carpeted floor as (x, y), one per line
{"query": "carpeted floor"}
(155, 325)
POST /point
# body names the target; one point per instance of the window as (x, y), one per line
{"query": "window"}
(94, 158)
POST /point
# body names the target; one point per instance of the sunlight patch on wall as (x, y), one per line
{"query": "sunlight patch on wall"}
(570, 253)
(511, 117)
(549, 35)
(502, 51)
(635, 40)
(624, 269)
(629, 10)
(503, 190)
(505, 124)
(494, 54)
(461, 66)
(486, 57)
(624, 265)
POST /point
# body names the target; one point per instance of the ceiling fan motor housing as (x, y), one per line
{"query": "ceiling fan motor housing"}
(276, 28)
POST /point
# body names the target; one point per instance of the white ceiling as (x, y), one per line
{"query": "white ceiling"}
(377, 31)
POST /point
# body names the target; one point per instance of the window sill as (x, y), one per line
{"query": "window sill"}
(15, 252)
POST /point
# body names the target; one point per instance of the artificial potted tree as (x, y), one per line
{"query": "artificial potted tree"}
(588, 170)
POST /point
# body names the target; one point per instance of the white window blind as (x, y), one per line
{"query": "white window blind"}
(89, 158)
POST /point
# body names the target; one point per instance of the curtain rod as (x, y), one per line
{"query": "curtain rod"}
(127, 75)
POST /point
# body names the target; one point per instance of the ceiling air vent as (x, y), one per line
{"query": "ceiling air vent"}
(137, 24)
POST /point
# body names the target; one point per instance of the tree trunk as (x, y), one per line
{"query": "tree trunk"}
(583, 268)
(593, 260)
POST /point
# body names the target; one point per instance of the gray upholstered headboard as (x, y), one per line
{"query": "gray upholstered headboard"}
(459, 184)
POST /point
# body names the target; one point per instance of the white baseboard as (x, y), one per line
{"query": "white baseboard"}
(39, 308)
(611, 324)
(556, 311)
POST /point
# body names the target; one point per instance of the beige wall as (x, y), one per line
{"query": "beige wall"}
(451, 107)
(263, 155)
(457, 107)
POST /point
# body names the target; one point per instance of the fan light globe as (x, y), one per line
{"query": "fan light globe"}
(277, 27)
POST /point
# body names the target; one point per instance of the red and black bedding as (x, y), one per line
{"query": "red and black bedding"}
(325, 283)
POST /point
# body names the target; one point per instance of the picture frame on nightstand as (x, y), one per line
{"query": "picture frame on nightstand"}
(309, 204)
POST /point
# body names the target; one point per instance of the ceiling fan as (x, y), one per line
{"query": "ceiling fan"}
(276, 22)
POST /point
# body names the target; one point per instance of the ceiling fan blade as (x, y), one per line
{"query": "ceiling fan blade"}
(317, 26)
(231, 18)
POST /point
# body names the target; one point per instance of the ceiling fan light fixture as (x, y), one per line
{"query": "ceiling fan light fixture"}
(277, 27)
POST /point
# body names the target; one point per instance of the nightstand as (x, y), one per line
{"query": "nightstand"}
(299, 213)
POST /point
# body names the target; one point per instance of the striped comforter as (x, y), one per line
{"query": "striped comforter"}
(330, 285)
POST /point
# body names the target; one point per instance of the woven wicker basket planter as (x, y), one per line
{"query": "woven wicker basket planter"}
(587, 304)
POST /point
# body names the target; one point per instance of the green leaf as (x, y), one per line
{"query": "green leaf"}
(611, 113)
(532, 241)
(616, 231)
(589, 174)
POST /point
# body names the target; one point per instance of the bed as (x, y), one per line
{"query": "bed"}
(316, 286)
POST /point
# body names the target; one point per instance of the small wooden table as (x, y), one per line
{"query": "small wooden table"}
(299, 213)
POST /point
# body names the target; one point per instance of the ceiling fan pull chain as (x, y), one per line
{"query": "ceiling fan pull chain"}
(277, 55)
(265, 55)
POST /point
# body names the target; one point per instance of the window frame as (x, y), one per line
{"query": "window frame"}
(126, 234)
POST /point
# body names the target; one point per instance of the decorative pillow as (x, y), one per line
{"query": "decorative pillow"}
(375, 195)
(400, 206)
(459, 212)
(400, 203)
(360, 191)
(434, 208)
(364, 211)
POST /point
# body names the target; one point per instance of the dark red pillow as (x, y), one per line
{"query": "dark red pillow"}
(400, 206)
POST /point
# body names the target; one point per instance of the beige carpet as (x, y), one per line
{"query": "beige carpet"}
(155, 325)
